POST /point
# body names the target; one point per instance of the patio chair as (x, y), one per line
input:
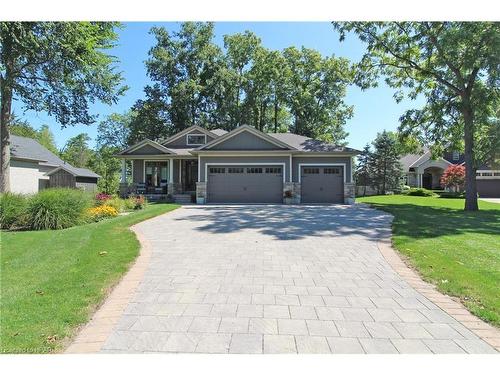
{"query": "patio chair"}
(140, 188)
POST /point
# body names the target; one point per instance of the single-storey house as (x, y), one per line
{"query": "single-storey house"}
(33, 168)
(244, 165)
(421, 170)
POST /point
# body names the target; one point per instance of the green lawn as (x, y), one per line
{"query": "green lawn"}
(456, 250)
(52, 281)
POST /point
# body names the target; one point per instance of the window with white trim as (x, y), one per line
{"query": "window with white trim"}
(456, 155)
(273, 170)
(235, 170)
(196, 139)
(214, 170)
(254, 170)
(331, 170)
(311, 170)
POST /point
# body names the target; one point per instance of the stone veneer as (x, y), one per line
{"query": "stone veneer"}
(349, 192)
(201, 192)
(294, 187)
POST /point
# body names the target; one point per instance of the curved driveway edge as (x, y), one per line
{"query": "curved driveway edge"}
(271, 279)
(450, 305)
(93, 335)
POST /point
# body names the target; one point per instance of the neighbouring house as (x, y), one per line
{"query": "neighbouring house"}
(421, 170)
(33, 168)
(244, 165)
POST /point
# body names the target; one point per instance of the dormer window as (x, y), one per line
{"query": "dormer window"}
(196, 139)
(456, 155)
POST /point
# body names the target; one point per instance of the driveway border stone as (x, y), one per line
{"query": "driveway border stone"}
(94, 334)
(449, 304)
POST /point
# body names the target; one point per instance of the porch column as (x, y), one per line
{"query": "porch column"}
(124, 172)
(171, 171)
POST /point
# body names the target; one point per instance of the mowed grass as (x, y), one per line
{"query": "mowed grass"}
(456, 250)
(52, 281)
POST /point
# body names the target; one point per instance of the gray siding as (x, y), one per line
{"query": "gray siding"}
(244, 159)
(138, 170)
(182, 141)
(61, 178)
(245, 141)
(321, 160)
(146, 150)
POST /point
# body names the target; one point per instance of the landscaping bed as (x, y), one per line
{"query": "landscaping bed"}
(456, 250)
(52, 280)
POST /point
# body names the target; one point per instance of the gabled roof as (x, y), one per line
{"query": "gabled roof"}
(218, 132)
(77, 172)
(189, 130)
(246, 128)
(143, 143)
(307, 144)
(29, 149)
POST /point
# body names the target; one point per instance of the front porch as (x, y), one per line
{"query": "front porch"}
(160, 179)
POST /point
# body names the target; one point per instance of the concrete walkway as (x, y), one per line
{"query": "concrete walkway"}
(491, 200)
(279, 279)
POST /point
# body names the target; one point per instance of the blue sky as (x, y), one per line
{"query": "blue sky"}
(374, 109)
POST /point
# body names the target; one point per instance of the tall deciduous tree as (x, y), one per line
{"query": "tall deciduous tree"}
(57, 67)
(108, 167)
(455, 65)
(114, 131)
(316, 93)
(182, 64)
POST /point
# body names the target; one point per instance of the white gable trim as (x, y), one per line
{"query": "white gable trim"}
(186, 131)
(251, 130)
(146, 142)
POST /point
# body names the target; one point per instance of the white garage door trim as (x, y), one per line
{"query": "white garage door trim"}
(209, 164)
(321, 165)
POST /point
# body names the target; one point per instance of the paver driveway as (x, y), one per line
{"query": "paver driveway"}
(279, 279)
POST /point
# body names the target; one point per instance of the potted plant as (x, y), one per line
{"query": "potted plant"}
(288, 197)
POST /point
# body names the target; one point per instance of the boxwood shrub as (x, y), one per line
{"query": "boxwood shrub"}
(57, 208)
(420, 192)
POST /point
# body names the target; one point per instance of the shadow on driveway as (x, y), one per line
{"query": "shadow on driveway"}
(292, 222)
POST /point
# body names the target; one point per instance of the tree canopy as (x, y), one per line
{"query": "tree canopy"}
(56, 67)
(197, 82)
(455, 66)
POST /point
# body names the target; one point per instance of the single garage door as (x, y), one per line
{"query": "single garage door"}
(322, 184)
(245, 184)
(488, 188)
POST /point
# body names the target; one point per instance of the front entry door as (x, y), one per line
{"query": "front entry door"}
(190, 175)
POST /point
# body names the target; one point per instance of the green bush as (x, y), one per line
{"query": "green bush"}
(136, 202)
(57, 208)
(117, 203)
(12, 210)
(451, 194)
(420, 192)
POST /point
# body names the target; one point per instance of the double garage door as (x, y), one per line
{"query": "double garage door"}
(245, 184)
(488, 188)
(264, 184)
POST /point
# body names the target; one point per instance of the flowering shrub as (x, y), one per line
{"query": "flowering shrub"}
(140, 202)
(101, 198)
(101, 212)
(453, 177)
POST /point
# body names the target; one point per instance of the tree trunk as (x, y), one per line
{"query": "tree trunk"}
(470, 169)
(275, 115)
(5, 117)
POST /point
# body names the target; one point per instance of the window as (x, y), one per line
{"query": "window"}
(254, 170)
(456, 155)
(156, 173)
(331, 171)
(214, 170)
(487, 174)
(496, 174)
(235, 170)
(478, 174)
(273, 170)
(311, 170)
(196, 139)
